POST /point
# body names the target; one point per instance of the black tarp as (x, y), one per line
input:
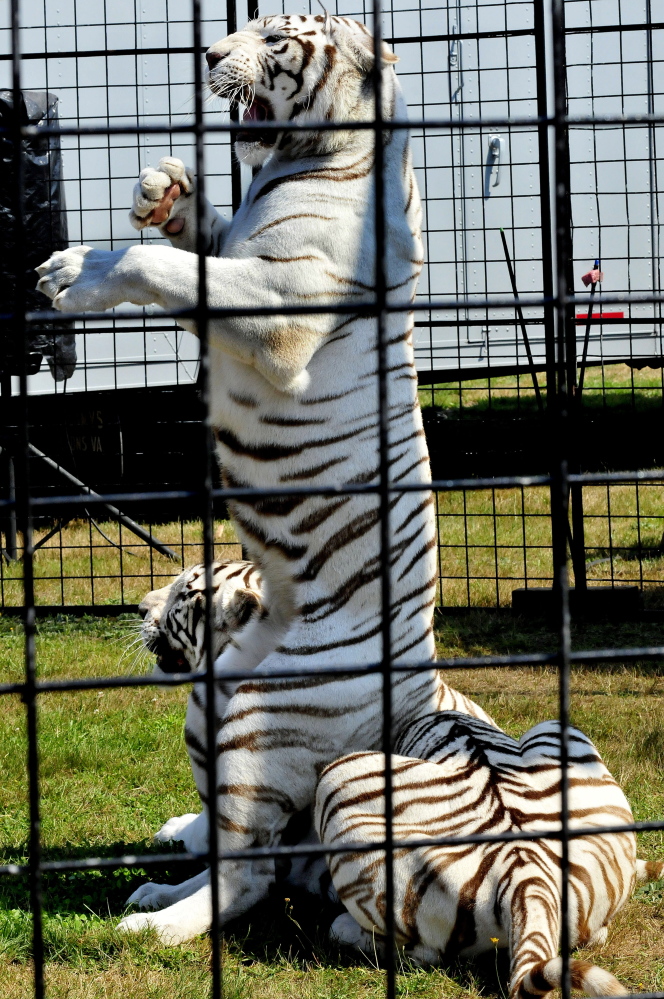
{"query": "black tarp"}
(44, 226)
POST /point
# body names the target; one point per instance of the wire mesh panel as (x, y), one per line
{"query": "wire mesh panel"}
(499, 150)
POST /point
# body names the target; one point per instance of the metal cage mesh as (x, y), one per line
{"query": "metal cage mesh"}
(516, 72)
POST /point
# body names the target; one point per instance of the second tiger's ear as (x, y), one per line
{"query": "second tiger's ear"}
(241, 606)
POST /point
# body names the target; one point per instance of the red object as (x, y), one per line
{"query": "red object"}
(600, 315)
(592, 277)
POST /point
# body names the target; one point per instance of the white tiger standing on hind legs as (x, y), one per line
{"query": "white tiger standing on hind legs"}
(294, 402)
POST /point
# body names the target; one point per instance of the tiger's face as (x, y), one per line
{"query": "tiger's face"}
(173, 616)
(295, 67)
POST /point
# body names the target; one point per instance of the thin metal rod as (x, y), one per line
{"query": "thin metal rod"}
(524, 332)
(257, 852)
(586, 339)
(396, 40)
(130, 524)
(360, 309)
(54, 530)
(416, 125)
(236, 172)
(588, 657)
(560, 486)
(232, 26)
(437, 485)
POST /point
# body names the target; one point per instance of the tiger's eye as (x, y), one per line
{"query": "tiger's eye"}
(272, 39)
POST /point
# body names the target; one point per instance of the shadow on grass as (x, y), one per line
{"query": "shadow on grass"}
(294, 928)
(480, 632)
(99, 892)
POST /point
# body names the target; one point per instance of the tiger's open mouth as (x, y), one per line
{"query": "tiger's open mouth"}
(167, 659)
(173, 663)
(257, 111)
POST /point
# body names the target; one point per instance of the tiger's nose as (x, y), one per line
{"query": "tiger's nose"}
(213, 58)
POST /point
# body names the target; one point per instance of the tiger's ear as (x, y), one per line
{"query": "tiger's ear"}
(358, 46)
(241, 606)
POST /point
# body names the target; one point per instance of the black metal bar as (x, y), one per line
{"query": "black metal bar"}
(360, 309)
(560, 486)
(130, 524)
(257, 852)
(439, 485)
(544, 157)
(9, 527)
(202, 320)
(232, 26)
(414, 125)
(384, 495)
(236, 173)
(524, 332)
(396, 40)
(24, 516)
(645, 653)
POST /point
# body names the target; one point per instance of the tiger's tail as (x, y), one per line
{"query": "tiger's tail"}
(649, 870)
(544, 976)
(535, 970)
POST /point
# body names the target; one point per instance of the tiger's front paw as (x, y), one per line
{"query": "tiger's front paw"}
(168, 933)
(80, 279)
(157, 192)
(153, 896)
(346, 932)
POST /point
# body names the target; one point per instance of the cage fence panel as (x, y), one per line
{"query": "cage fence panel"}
(538, 352)
(126, 417)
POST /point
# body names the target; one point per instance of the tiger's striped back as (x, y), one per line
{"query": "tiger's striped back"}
(466, 899)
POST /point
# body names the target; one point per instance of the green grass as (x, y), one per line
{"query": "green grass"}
(114, 767)
(613, 386)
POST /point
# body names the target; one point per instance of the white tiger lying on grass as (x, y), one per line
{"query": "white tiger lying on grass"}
(475, 780)
(460, 776)
(294, 403)
(172, 629)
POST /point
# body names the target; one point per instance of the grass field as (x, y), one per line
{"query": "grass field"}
(114, 767)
